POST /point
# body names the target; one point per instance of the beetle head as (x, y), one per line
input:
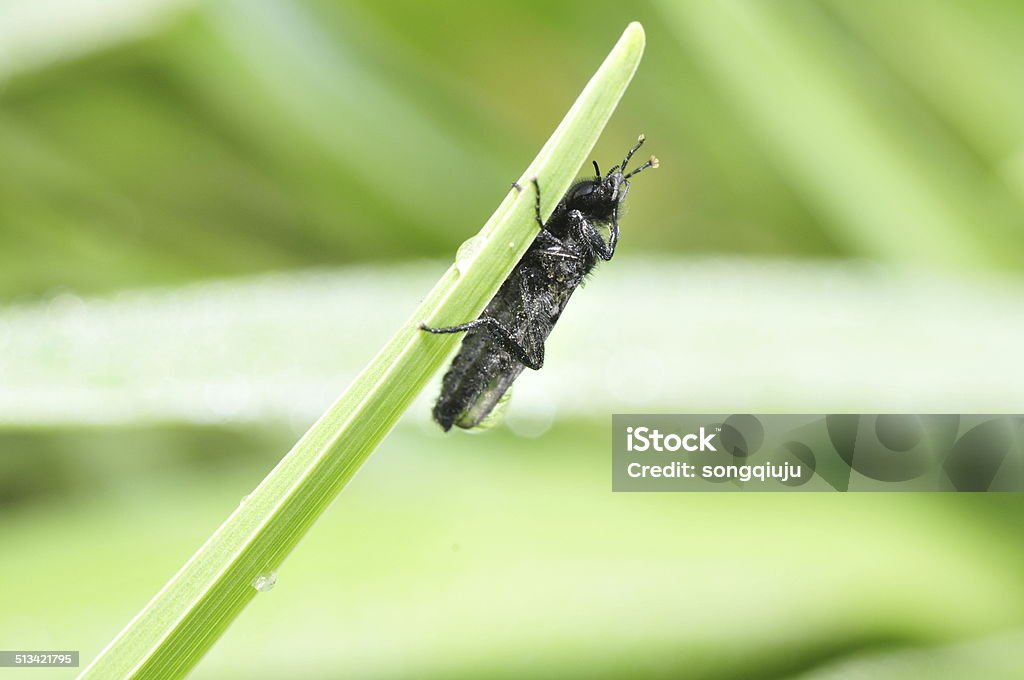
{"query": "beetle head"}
(600, 197)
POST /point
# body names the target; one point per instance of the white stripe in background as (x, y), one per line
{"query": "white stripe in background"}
(672, 335)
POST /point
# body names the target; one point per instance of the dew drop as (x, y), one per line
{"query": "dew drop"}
(265, 582)
(467, 252)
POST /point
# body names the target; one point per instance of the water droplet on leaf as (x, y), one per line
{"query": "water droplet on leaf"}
(265, 582)
(467, 252)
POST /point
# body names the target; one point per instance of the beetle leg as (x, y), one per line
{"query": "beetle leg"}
(536, 204)
(591, 237)
(613, 234)
(554, 247)
(531, 358)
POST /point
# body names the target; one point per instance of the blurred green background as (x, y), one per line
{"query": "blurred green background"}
(213, 213)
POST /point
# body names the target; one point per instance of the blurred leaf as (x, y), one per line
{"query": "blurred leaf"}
(997, 657)
(886, 187)
(36, 33)
(794, 335)
(493, 557)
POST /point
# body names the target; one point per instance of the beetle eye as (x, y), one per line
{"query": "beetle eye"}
(584, 189)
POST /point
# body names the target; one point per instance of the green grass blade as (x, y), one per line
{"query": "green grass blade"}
(168, 637)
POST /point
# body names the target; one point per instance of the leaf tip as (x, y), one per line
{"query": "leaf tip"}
(634, 33)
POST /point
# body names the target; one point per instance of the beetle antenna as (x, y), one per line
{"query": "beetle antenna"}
(652, 162)
(597, 169)
(632, 151)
